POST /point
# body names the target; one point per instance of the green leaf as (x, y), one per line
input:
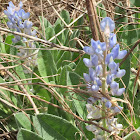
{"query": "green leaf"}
(127, 66)
(72, 42)
(62, 58)
(78, 100)
(133, 135)
(129, 35)
(100, 11)
(120, 11)
(81, 68)
(52, 127)
(60, 37)
(46, 65)
(79, 21)
(63, 80)
(49, 31)
(46, 22)
(25, 134)
(41, 66)
(23, 120)
(8, 40)
(20, 71)
(66, 16)
(2, 46)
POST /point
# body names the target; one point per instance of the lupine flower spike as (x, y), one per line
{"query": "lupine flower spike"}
(102, 73)
(18, 21)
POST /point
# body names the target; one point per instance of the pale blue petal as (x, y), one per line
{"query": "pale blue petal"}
(112, 65)
(120, 73)
(86, 77)
(117, 109)
(10, 24)
(33, 33)
(109, 79)
(115, 51)
(120, 91)
(87, 62)
(20, 4)
(112, 40)
(107, 22)
(11, 4)
(26, 15)
(88, 50)
(92, 73)
(103, 46)
(114, 85)
(108, 104)
(99, 70)
(95, 88)
(98, 81)
(94, 44)
(6, 13)
(122, 54)
(94, 60)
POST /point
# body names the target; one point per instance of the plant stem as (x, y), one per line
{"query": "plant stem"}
(104, 88)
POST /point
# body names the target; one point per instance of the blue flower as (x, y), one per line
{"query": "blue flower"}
(108, 104)
(18, 20)
(92, 73)
(109, 79)
(95, 88)
(86, 77)
(122, 54)
(87, 62)
(115, 51)
(120, 73)
(107, 25)
(114, 85)
(88, 50)
(112, 40)
(94, 60)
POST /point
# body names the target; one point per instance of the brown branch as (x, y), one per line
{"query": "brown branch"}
(92, 19)
(43, 41)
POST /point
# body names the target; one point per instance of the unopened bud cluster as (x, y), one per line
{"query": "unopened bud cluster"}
(18, 21)
(102, 72)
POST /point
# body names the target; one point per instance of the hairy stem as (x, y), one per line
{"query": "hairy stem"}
(104, 66)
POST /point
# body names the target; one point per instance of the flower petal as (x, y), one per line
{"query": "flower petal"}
(88, 50)
(87, 62)
(120, 73)
(86, 77)
(122, 54)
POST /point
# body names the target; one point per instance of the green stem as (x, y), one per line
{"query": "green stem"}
(104, 66)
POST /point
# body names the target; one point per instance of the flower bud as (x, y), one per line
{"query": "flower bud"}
(87, 62)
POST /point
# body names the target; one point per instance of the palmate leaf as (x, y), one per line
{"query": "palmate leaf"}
(47, 126)
(25, 134)
(23, 120)
(63, 58)
(78, 101)
(65, 15)
(46, 22)
(52, 127)
(8, 40)
(46, 65)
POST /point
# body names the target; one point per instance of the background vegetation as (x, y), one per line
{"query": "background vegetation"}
(56, 84)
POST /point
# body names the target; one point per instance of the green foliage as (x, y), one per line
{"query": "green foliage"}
(47, 127)
(25, 134)
(133, 135)
(63, 68)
